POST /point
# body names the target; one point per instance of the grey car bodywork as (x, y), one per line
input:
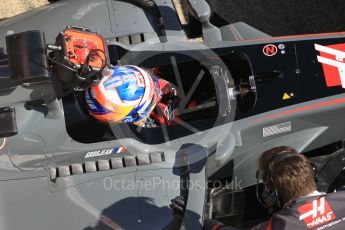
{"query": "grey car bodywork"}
(46, 180)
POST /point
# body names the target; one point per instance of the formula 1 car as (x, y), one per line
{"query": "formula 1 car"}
(241, 92)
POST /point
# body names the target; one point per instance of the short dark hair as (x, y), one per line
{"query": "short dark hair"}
(292, 179)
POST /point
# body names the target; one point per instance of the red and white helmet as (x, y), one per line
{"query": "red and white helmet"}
(128, 95)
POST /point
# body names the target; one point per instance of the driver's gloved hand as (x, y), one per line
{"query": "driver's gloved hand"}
(148, 5)
(178, 205)
(210, 224)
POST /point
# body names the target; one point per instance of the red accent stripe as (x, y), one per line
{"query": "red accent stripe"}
(269, 227)
(302, 109)
(295, 36)
(217, 226)
(3, 144)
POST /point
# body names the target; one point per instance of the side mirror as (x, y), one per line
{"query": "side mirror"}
(29, 73)
(27, 57)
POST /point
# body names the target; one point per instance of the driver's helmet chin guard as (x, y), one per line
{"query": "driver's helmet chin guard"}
(128, 94)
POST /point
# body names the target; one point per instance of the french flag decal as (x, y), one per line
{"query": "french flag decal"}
(120, 150)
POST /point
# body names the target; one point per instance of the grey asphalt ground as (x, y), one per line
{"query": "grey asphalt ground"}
(9, 8)
(285, 17)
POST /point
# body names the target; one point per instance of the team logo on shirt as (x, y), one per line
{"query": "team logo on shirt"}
(316, 212)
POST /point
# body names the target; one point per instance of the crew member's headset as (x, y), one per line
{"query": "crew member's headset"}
(270, 197)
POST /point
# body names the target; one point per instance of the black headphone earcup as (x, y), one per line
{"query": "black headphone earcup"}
(270, 197)
(277, 200)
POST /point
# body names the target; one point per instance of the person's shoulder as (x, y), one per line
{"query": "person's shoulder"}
(287, 218)
(338, 196)
(274, 223)
(339, 192)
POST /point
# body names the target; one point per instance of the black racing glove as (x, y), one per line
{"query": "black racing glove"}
(178, 206)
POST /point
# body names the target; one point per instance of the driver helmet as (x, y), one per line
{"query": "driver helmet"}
(128, 94)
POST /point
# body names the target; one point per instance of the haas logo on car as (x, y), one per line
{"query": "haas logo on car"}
(332, 58)
(316, 212)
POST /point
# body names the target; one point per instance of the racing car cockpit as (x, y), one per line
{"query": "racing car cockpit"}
(202, 88)
(51, 85)
(108, 131)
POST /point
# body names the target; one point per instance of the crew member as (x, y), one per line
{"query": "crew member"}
(290, 186)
